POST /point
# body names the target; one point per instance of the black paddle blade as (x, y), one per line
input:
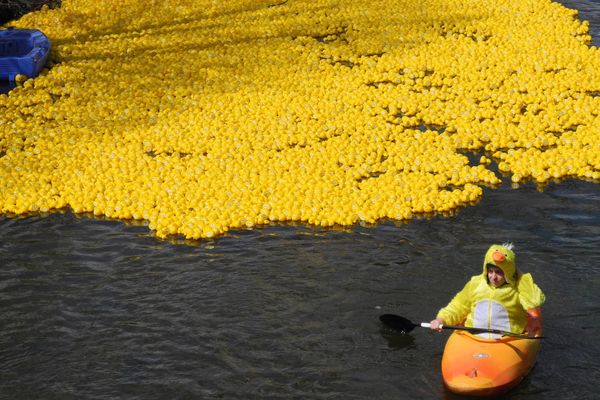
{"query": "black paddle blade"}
(397, 322)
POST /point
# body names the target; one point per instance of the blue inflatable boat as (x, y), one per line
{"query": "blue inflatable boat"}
(22, 51)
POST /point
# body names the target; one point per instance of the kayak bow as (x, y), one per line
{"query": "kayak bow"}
(477, 366)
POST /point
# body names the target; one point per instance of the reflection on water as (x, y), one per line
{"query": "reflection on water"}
(397, 340)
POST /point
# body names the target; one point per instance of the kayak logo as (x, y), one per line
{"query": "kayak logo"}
(481, 355)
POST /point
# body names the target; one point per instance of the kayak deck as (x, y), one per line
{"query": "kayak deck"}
(477, 366)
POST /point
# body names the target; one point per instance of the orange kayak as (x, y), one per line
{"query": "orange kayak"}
(475, 366)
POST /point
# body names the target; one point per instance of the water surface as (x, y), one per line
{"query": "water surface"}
(99, 310)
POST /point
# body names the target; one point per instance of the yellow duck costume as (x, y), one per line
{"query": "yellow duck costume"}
(513, 306)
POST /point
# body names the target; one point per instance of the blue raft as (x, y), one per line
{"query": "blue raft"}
(22, 51)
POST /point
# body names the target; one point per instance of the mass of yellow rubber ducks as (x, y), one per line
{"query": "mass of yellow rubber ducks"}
(203, 116)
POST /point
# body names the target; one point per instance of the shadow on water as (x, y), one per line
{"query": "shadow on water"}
(6, 86)
(396, 340)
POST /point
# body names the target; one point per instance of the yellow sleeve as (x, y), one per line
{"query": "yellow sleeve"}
(530, 295)
(459, 307)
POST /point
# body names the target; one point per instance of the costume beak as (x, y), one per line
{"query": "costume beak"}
(498, 256)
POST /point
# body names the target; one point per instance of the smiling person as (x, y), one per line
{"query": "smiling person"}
(500, 298)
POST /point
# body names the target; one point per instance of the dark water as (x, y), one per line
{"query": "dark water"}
(589, 10)
(101, 310)
(6, 86)
(95, 309)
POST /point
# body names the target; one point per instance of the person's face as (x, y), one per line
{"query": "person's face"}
(495, 276)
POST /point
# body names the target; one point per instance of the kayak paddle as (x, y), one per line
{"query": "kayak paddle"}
(404, 325)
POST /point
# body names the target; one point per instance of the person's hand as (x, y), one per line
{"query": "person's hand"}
(534, 322)
(436, 324)
(534, 327)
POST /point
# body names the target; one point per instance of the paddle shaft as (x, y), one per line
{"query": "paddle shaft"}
(405, 325)
(480, 330)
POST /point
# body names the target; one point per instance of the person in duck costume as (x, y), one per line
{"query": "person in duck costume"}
(500, 298)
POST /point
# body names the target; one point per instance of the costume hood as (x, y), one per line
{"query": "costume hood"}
(503, 257)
